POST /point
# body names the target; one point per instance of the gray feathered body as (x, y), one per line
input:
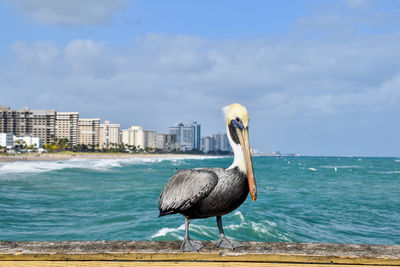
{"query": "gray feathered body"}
(202, 193)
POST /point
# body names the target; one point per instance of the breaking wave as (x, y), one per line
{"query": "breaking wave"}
(264, 230)
(83, 163)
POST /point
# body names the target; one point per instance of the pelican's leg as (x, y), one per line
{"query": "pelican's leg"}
(189, 245)
(223, 241)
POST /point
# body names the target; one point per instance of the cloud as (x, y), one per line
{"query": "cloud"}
(71, 12)
(309, 78)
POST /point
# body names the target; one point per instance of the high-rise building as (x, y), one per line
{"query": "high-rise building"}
(134, 136)
(14, 121)
(196, 136)
(221, 142)
(43, 125)
(109, 134)
(127, 137)
(207, 144)
(167, 142)
(25, 122)
(67, 126)
(160, 141)
(188, 135)
(149, 139)
(89, 131)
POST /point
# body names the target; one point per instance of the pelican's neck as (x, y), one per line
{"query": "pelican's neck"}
(238, 157)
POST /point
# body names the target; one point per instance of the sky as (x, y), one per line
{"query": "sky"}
(317, 77)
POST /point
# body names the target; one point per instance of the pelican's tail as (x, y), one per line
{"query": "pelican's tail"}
(166, 212)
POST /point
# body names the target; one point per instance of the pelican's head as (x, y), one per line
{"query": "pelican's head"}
(237, 125)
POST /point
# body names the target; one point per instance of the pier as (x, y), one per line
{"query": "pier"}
(167, 253)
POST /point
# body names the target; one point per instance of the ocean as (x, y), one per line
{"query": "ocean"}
(300, 199)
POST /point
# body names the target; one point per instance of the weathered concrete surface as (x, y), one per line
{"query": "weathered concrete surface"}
(170, 251)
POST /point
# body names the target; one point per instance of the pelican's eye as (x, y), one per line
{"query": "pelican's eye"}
(238, 124)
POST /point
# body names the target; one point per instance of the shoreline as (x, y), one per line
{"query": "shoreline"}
(68, 156)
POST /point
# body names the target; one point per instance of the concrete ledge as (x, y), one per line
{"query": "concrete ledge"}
(105, 253)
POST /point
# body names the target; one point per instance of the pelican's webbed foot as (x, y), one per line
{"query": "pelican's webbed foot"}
(189, 245)
(225, 242)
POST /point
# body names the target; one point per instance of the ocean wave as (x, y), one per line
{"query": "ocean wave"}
(312, 169)
(84, 163)
(165, 231)
(264, 230)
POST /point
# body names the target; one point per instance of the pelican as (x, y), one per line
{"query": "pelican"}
(208, 192)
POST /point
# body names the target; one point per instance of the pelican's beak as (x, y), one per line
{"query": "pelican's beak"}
(244, 142)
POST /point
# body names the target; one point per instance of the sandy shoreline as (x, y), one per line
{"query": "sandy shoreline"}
(62, 156)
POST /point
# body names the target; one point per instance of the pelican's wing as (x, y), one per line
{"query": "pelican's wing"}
(184, 189)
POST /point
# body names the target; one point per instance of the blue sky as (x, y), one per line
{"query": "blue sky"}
(318, 77)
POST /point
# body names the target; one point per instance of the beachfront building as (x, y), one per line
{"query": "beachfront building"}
(28, 142)
(15, 122)
(149, 139)
(207, 144)
(221, 142)
(89, 131)
(196, 136)
(43, 125)
(188, 135)
(133, 136)
(109, 135)
(67, 127)
(25, 122)
(166, 142)
(216, 143)
(6, 140)
(127, 137)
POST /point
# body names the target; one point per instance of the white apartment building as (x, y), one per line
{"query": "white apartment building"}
(133, 136)
(6, 140)
(29, 141)
(109, 134)
(89, 131)
(67, 126)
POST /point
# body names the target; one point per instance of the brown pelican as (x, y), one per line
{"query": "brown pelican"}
(209, 192)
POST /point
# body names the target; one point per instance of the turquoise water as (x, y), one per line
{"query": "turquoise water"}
(300, 199)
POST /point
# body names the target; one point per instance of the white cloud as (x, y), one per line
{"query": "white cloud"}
(71, 12)
(309, 78)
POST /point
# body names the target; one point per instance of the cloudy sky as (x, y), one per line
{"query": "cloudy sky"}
(318, 77)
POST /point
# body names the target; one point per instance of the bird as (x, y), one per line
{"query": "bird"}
(213, 192)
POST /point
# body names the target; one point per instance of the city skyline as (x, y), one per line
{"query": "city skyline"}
(318, 77)
(48, 127)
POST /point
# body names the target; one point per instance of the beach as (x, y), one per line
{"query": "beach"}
(71, 155)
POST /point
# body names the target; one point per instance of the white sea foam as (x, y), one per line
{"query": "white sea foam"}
(397, 160)
(84, 163)
(312, 169)
(265, 230)
(240, 215)
(165, 231)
